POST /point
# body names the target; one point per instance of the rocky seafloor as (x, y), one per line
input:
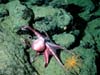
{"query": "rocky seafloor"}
(72, 24)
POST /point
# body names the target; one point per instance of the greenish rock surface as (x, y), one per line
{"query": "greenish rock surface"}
(84, 63)
(53, 3)
(53, 68)
(87, 43)
(87, 7)
(64, 39)
(93, 34)
(85, 15)
(13, 60)
(51, 18)
(17, 14)
(97, 13)
(3, 11)
(58, 3)
(77, 30)
(88, 60)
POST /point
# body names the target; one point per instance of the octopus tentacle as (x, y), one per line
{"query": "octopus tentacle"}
(54, 45)
(46, 57)
(54, 54)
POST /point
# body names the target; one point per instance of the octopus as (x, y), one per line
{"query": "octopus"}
(45, 46)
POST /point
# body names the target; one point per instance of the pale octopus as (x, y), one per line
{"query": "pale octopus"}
(44, 45)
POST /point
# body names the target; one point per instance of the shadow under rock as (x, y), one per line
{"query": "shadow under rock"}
(4, 1)
(98, 64)
(77, 23)
(96, 4)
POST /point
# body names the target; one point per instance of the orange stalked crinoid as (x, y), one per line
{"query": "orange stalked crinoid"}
(73, 63)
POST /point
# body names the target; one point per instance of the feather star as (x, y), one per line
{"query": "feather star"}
(41, 44)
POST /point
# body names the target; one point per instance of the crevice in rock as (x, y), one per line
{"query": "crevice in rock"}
(97, 5)
(97, 61)
(4, 1)
(98, 64)
(5, 13)
(22, 0)
(77, 24)
(93, 17)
